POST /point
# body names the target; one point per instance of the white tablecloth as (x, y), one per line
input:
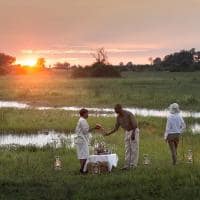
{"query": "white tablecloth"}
(112, 160)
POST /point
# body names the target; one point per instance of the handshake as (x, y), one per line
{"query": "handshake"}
(101, 129)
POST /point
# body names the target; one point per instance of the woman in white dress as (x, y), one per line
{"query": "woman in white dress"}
(174, 127)
(82, 137)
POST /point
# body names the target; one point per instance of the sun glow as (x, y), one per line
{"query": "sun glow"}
(28, 62)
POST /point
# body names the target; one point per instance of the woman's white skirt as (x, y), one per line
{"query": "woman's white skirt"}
(82, 149)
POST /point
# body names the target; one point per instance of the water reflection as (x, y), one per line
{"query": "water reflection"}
(52, 138)
(105, 112)
(13, 104)
(41, 139)
(195, 129)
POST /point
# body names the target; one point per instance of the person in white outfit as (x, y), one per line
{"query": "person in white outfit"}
(82, 137)
(174, 127)
(128, 122)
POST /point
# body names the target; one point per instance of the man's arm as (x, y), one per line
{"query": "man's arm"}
(133, 121)
(96, 127)
(117, 125)
(92, 129)
(134, 125)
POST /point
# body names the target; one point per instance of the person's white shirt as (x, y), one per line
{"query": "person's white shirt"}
(175, 124)
(82, 129)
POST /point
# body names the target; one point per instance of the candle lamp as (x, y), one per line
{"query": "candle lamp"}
(146, 159)
(190, 156)
(96, 168)
(57, 163)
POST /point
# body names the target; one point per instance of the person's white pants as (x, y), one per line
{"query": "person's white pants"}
(131, 149)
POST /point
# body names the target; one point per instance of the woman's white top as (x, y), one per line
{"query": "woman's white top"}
(82, 131)
(175, 124)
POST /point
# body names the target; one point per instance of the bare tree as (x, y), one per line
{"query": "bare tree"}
(100, 56)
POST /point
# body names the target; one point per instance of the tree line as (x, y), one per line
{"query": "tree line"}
(184, 60)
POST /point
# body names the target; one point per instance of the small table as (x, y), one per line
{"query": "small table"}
(112, 160)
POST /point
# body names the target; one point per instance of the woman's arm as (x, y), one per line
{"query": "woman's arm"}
(92, 129)
(167, 128)
(97, 127)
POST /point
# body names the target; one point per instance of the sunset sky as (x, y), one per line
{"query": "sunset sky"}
(68, 30)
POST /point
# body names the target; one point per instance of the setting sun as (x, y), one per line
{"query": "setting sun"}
(28, 62)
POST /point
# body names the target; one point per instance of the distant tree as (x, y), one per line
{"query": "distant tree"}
(40, 63)
(6, 63)
(100, 56)
(141, 68)
(6, 60)
(157, 61)
(96, 70)
(103, 70)
(80, 72)
(192, 51)
(179, 61)
(150, 60)
(64, 65)
(121, 64)
(129, 64)
(196, 57)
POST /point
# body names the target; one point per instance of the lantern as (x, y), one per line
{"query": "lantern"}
(57, 163)
(146, 159)
(190, 156)
(96, 168)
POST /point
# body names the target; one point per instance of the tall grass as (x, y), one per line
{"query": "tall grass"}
(31, 121)
(150, 90)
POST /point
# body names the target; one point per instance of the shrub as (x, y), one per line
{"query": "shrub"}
(96, 70)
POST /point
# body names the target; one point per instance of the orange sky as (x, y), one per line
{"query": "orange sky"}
(66, 30)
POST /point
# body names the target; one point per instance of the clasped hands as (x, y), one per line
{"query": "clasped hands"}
(106, 133)
(101, 129)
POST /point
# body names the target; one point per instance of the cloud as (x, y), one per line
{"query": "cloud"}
(80, 51)
(54, 52)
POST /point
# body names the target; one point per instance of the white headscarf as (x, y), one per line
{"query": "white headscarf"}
(174, 108)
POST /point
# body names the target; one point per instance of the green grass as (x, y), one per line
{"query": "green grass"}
(27, 173)
(145, 90)
(31, 121)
